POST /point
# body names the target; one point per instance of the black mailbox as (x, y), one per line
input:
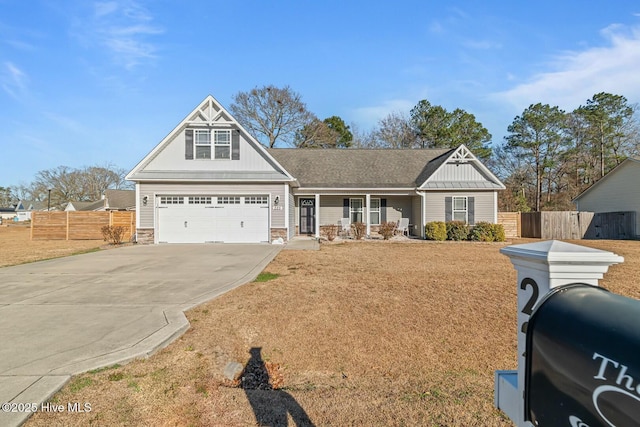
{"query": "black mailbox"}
(583, 359)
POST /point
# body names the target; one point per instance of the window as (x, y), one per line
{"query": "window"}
(460, 209)
(200, 200)
(202, 138)
(375, 212)
(229, 200)
(222, 144)
(171, 200)
(355, 210)
(256, 200)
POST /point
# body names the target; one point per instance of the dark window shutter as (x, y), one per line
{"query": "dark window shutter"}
(383, 210)
(235, 145)
(448, 208)
(345, 208)
(471, 214)
(188, 144)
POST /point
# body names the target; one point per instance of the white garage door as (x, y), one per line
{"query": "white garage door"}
(202, 219)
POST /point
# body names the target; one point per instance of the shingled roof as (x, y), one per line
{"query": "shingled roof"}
(360, 168)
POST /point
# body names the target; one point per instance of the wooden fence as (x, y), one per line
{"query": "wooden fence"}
(578, 225)
(79, 225)
(511, 223)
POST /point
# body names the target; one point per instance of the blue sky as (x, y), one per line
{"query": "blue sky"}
(102, 82)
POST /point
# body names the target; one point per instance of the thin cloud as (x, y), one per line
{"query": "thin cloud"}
(369, 116)
(577, 76)
(14, 81)
(125, 28)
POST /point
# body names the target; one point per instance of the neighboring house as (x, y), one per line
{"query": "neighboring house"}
(112, 200)
(617, 191)
(210, 181)
(24, 208)
(84, 206)
(7, 214)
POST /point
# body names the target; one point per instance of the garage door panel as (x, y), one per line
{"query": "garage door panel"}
(230, 219)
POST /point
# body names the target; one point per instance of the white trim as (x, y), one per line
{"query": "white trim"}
(495, 207)
(137, 206)
(316, 212)
(285, 195)
(423, 206)
(454, 210)
(367, 212)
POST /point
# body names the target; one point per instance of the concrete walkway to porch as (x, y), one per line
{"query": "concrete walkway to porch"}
(303, 243)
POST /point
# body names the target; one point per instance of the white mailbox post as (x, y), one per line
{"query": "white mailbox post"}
(541, 267)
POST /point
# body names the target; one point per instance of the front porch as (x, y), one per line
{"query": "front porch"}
(314, 213)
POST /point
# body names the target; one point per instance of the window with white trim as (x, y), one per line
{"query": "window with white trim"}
(202, 141)
(460, 209)
(229, 200)
(355, 210)
(222, 144)
(200, 200)
(374, 210)
(256, 200)
(171, 200)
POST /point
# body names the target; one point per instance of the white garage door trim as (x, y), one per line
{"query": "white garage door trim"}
(234, 218)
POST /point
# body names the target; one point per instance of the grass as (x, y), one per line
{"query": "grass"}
(363, 333)
(265, 276)
(18, 248)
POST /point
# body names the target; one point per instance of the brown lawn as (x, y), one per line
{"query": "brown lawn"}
(361, 334)
(16, 247)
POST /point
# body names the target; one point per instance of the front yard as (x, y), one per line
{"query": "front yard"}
(16, 246)
(355, 334)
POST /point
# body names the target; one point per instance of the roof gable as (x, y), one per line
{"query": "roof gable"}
(627, 162)
(459, 169)
(168, 161)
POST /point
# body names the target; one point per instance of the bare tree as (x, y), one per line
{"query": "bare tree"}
(396, 131)
(271, 114)
(69, 184)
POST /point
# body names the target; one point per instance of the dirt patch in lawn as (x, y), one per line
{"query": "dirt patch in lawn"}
(359, 333)
(17, 247)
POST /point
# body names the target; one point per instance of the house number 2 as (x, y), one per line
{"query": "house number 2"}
(528, 307)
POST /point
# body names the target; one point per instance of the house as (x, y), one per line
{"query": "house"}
(209, 180)
(617, 191)
(112, 200)
(24, 208)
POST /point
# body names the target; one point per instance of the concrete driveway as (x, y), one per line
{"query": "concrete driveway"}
(66, 316)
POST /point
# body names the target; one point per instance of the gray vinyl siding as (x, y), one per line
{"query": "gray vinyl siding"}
(172, 158)
(616, 192)
(458, 172)
(416, 207)
(331, 207)
(483, 205)
(147, 220)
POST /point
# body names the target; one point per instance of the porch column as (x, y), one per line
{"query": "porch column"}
(367, 213)
(317, 221)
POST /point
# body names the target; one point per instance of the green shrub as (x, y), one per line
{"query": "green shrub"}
(387, 229)
(487, 232)
(435, 230)
(482, 232)
(359, 229)
(498, 233)
(457, 230)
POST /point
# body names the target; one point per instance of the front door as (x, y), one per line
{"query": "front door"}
(307, 216)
